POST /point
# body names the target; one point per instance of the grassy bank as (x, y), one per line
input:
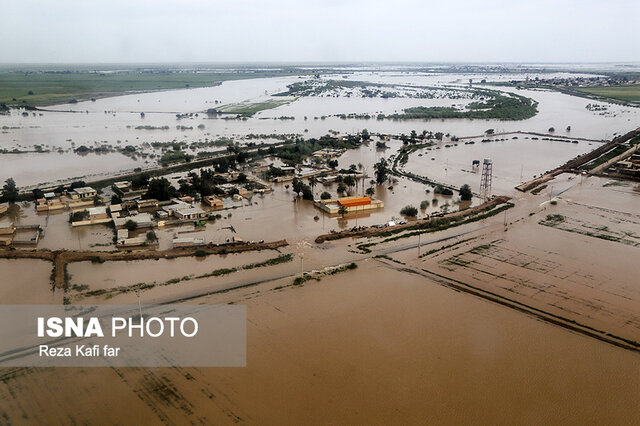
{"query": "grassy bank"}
(249, 108)
(36, 89)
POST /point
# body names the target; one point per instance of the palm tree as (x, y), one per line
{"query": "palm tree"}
(343, 211)
(349, 181)
(312, 182)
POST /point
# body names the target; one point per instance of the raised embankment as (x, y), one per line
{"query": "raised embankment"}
(372, 232)
(574, 164)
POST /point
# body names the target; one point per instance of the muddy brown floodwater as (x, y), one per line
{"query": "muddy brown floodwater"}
(27, 281)
(391, 341)
(371, 346)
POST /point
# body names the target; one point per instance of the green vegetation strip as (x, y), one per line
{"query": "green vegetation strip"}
(317, 275)
(501, 107)
(430, 252)
(248, 108)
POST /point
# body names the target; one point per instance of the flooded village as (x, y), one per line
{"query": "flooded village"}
(403, 238)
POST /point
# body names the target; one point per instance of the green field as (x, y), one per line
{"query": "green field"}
(499, 106)
(248, 108)
(622, 93)
(49, 88)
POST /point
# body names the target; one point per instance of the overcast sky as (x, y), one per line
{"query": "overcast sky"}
(322, 30)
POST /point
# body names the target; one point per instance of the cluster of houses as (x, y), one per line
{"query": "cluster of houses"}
(18, 235)
(79, 197)
(133, 213)
(302, 173)
(629, 167)
(328, 153)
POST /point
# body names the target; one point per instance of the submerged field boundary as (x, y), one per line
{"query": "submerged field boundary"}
(545, 316)
(566, 323)
(60, 258)
(522, 132)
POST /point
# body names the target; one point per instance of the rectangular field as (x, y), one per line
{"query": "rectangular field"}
(623, 93)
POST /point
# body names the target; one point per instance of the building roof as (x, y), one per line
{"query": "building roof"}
(354, 201)
(189, 211)
(85, 190)
(177, 205)
(188, 240)
(141, 218)
(97, 210)
(148, 201)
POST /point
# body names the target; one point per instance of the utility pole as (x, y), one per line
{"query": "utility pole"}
(486, 178)
(301, 246)
(301, 264)
(139, 305)
(521, 168)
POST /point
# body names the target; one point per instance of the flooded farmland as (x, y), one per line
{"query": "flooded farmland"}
(407, 297)
(117, 121)
(26, 281)
(375, 338)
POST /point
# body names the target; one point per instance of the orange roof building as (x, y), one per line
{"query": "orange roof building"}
(352, 204)
(354, 201)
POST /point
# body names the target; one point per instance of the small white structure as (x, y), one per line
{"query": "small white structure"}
(187, 242)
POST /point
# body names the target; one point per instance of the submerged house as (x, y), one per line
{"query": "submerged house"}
(190, 213)
(123, 239)
(82, 193)
(142, 220)
(98, 213)
(352, 204)
(213, 201)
